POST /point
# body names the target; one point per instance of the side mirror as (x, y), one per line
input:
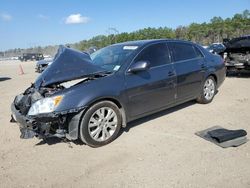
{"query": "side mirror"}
(139, 66)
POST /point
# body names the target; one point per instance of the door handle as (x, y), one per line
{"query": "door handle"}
(171, 73)
(202, 65)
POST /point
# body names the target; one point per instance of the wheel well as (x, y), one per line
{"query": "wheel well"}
(214, 76)
(117, 103)
(107, 99)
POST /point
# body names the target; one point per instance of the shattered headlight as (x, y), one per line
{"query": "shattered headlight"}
(45, 105)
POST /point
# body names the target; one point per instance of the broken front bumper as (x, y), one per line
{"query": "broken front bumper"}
(30, 127)
(27, 126)
(61, 124)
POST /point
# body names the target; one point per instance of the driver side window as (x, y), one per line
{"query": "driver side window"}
(155, 54)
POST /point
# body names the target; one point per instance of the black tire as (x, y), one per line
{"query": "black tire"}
(202, 98)
(84, 129)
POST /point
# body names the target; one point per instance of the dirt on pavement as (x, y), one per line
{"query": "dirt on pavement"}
(157, 151)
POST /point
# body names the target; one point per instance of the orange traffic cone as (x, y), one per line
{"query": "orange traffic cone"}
(21, 70)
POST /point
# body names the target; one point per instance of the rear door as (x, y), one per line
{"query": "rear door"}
(152, 89)
(189, 64)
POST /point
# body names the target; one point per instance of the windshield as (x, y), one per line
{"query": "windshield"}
(111, 58)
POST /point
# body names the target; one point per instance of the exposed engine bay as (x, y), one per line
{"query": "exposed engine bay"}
(237, 54)
(238, 61)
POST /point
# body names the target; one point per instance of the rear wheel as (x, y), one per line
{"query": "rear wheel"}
(100, 124)
(208, 91)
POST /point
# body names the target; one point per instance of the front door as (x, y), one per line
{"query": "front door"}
(154, 88)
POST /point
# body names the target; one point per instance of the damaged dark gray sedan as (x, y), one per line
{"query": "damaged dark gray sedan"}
(91, 97)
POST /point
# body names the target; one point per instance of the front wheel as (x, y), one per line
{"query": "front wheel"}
(100, 124)
(208, 91)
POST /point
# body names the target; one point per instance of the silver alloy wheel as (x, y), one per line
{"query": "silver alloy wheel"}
(102, 124)
(209, 89)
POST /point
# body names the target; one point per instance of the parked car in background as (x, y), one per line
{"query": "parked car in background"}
(42, 65)
(91, 97)
(31, 57)
(237, 54)
(47, 57)
(14, 58)
(216, 48)
(91, 50)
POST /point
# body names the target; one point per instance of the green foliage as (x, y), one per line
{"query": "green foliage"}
(218, 29)
(203, 33)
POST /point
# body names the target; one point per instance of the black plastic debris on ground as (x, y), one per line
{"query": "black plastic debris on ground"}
(223, 137)
(4, 78)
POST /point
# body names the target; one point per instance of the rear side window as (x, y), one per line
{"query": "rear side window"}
(156, 55)
(198, 52)
(183, 51)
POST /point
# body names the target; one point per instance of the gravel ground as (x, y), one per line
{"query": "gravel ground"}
(157, 151)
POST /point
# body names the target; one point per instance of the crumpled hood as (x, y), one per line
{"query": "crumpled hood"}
(241, 42)
(68, 65)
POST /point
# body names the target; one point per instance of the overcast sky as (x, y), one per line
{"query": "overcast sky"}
(29, 23)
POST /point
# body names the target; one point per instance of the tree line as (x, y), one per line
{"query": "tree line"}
(203, 33)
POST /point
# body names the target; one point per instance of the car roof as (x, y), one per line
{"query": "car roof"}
(151, 41)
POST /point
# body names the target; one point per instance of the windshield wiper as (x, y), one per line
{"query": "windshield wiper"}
(102, 73)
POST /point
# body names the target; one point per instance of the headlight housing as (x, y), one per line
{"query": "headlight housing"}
(45, 105)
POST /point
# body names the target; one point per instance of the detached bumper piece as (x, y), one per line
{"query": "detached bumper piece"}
(223, 137)
(26, 133)
(27, 126)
